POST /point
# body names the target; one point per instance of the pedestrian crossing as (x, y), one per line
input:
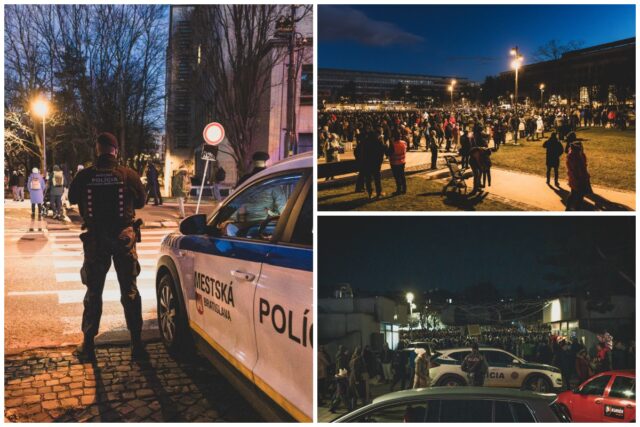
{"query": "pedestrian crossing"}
(66, 254)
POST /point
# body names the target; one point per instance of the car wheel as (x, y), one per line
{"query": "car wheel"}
(451, 381)
(538, 383)
(172, 320)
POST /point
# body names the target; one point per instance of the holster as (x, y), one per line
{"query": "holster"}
(137, 224)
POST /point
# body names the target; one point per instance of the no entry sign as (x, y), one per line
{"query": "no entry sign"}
(213, 133)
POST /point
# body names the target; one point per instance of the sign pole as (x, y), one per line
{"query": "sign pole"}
(204, 175)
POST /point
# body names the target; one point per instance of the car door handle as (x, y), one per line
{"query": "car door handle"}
(242, 275)
(597, 401)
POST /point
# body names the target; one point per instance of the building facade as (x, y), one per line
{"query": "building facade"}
(359, 321)
(602, 74)
(189, 105)
(358, 86)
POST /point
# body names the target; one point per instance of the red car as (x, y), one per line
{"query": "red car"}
(607, 397)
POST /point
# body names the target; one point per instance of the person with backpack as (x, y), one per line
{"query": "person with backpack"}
(56, 189)
(36, 186)
(476, 366)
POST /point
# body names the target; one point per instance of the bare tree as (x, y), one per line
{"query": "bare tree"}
(102, 66)
(553, 49)
(238, 53)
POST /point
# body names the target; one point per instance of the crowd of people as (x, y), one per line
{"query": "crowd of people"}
(473, 133)
(50, 192)
(347, 377)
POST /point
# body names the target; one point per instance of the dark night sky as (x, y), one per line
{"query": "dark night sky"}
(465, 40)
(417, 253)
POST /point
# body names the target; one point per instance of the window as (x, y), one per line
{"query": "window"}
(502, 413)
(306, 85)
(623, 387)
(254, 213)
(596, 386)
(476, 411)
(522, 413)
(398, 413)
(459, 355)
(498, 358)
(303, 231)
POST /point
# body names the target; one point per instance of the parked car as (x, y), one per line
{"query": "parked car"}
(238, 286)
(459, 404)
(607, 397)
(505, 370)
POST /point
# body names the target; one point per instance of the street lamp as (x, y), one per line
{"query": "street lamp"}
(40, 108)
(515, 64)
(411, 305)
(451, 88)
(541, 94)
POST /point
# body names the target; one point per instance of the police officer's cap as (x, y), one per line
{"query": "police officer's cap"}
(107, 139)
(260, 156)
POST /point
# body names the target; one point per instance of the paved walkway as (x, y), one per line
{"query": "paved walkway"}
(45, 385)
(533, 191)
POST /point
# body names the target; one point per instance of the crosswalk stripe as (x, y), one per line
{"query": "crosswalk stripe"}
(75, 253)
(145, 262)
(111, 275)
(79, 245)
(144, 232)
(76, 296)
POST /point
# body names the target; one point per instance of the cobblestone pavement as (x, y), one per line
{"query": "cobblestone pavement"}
(50, 384)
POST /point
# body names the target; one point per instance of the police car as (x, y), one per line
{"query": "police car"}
(505, 370)
(238, 286)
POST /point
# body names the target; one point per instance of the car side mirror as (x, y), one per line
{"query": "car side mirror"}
(194, 224)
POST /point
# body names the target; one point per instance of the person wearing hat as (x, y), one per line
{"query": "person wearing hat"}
(475, 365)
(259, 160)
(36, 186)
(107, 195)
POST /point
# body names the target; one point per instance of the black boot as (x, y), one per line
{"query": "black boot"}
(86, 351)
(138, 352)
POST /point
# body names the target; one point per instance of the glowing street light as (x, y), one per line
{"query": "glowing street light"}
(451, 88)
(411, 306)
(516, 63)
(541, 94)
(40, 108)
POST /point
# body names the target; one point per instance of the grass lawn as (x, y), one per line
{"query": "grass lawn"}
(422, 195)
(611, 157)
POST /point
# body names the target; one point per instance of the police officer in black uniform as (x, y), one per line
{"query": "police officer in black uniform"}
(259, 159)
(107, 195)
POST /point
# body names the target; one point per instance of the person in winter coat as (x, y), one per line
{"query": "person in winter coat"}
(397, 152)
(539, 127)
(20, 186)
(13, 184)
(36, 186)
(372, 153)
(421, 377)
(583, 367)
(180, 189)
(356, 378)
(324, 362)
(56, 189)
(153, 186)
(603, 358)
(432, 146)
(579, 179)
(554, 151)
